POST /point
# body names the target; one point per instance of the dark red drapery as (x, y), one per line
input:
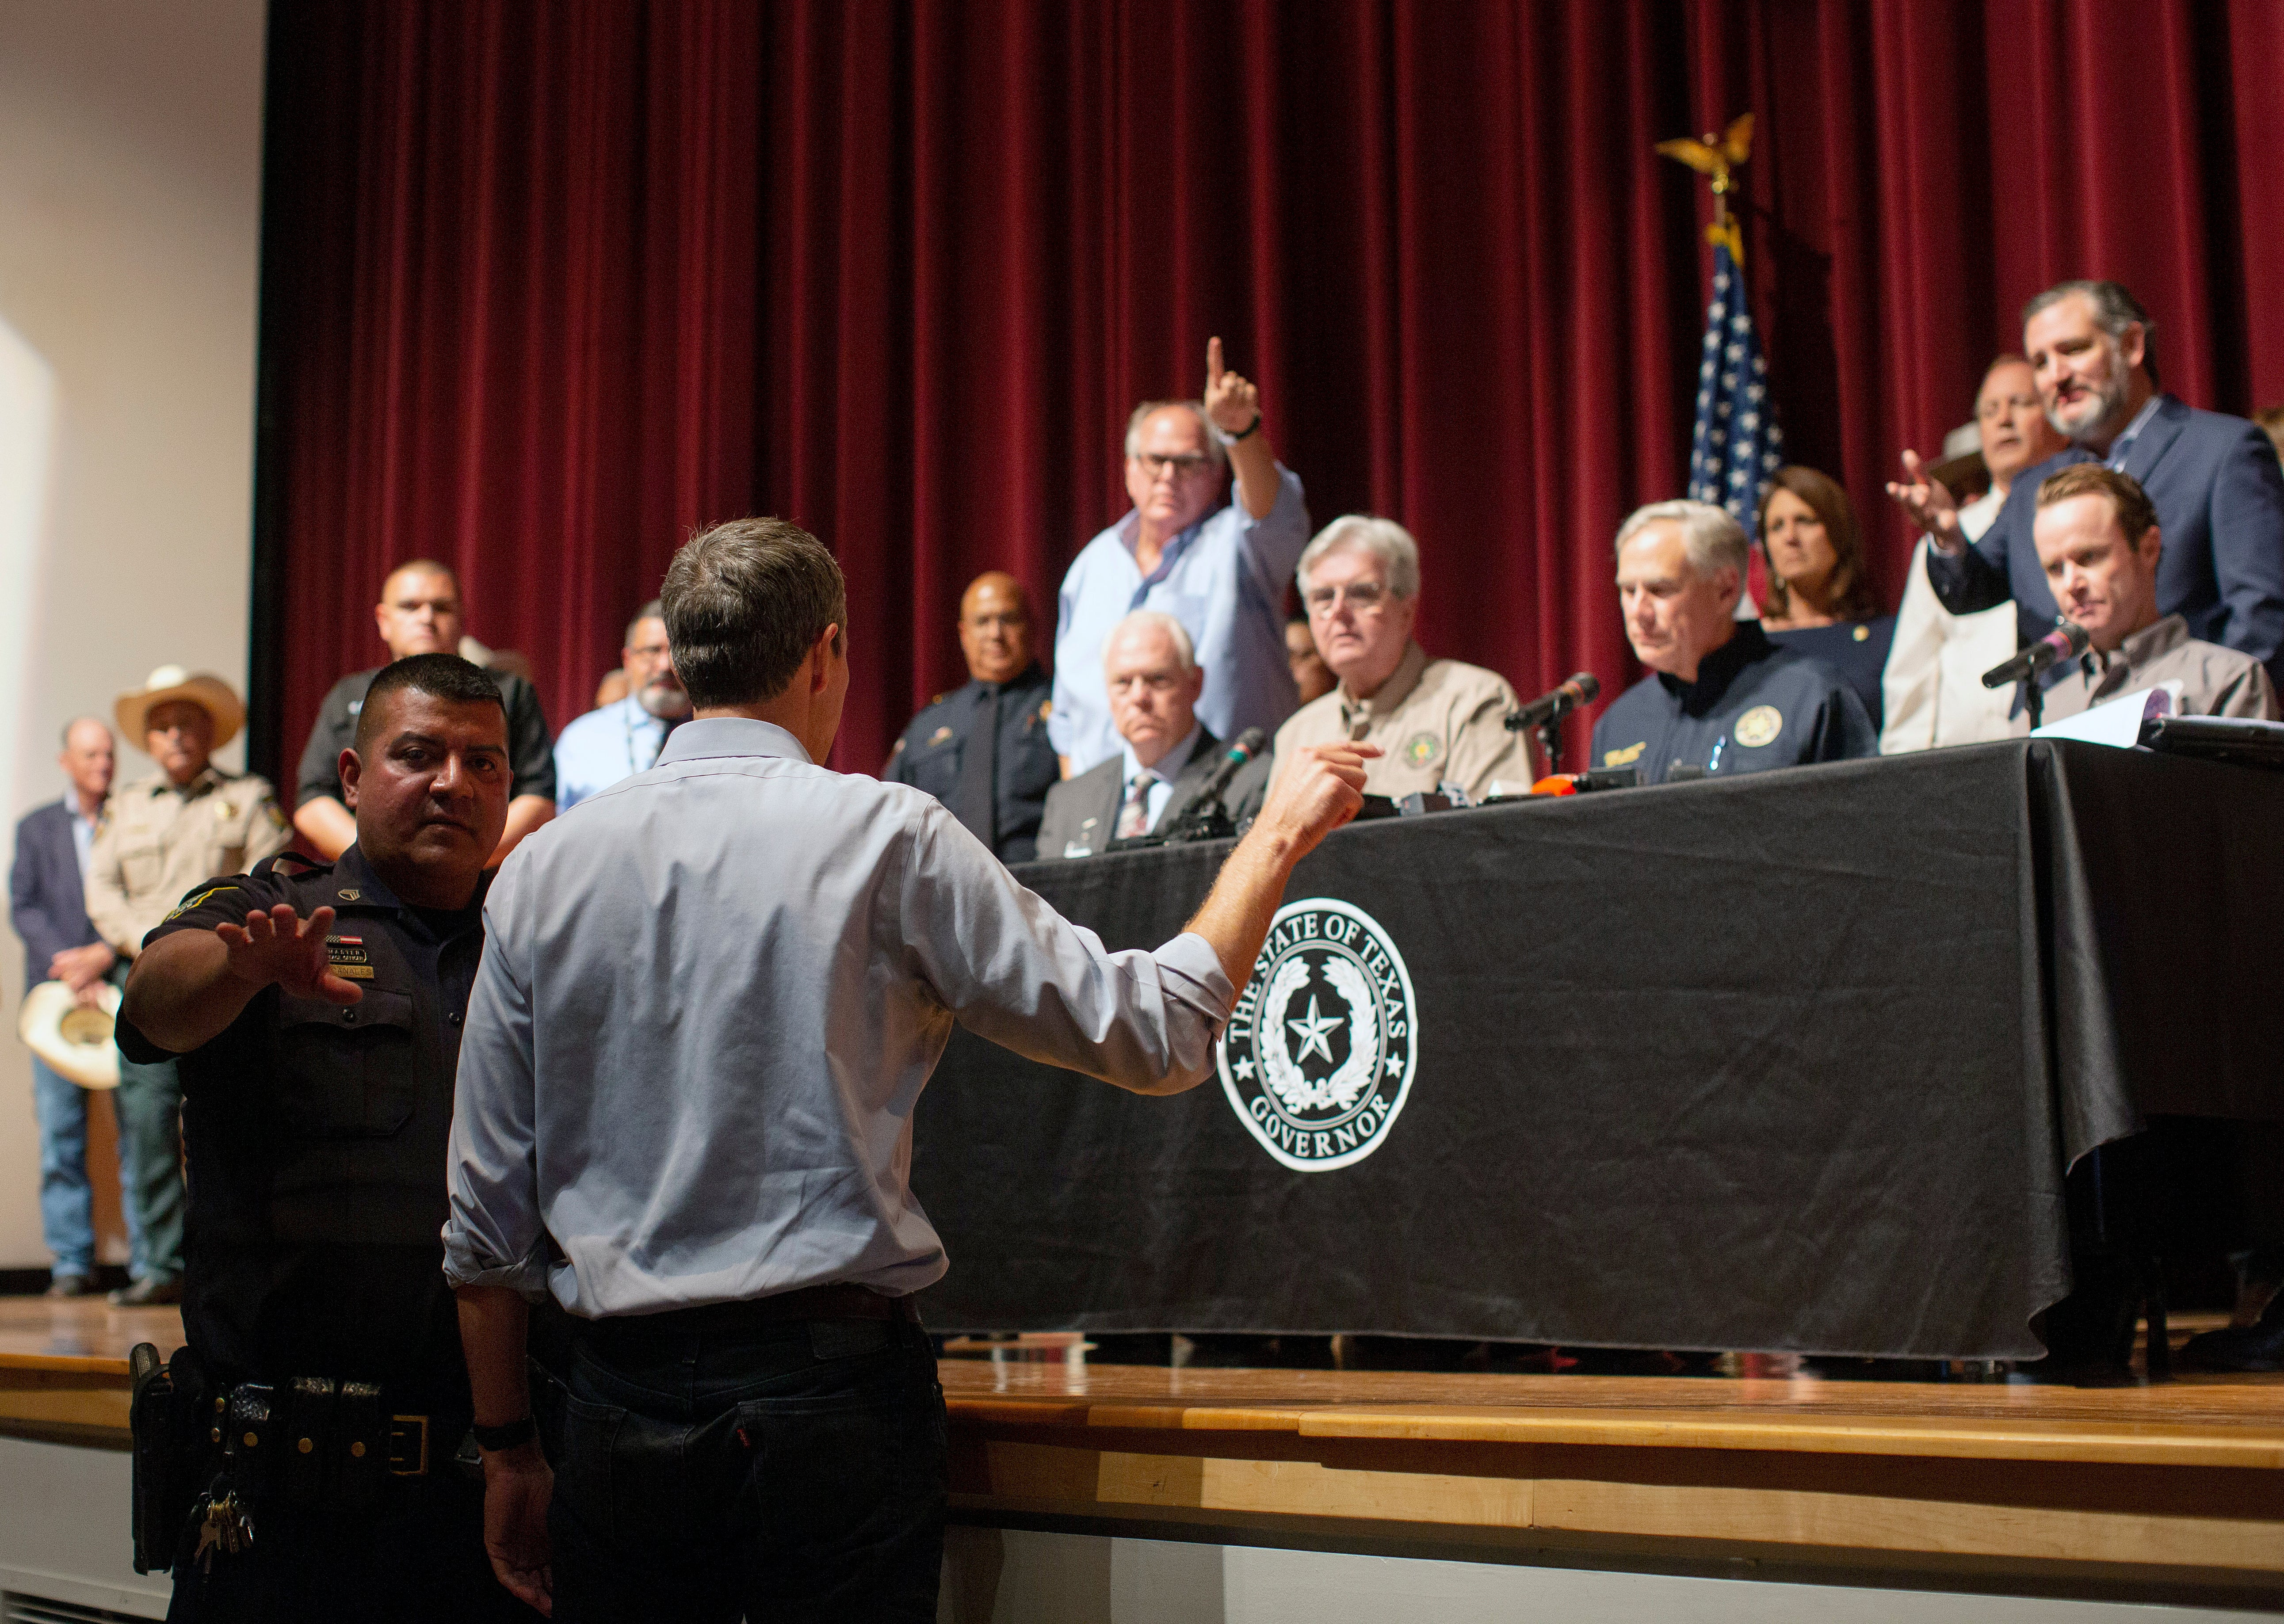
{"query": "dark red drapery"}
(548, 283)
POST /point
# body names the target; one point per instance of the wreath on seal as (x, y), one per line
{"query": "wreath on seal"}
(1278, 1071)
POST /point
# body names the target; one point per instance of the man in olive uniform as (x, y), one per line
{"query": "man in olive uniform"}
(983, 749)
(160, 835)
(316, 1011)
(418, 613)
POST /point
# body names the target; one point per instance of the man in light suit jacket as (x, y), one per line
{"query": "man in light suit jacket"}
(2214, 478)
(1153, 679)
(47, 903)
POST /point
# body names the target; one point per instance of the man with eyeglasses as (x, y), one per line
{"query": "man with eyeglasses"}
(1437, 722)
(618, 740)
(1165, 754)
(1220, 572)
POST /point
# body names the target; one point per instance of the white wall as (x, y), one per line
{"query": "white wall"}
(130, 193)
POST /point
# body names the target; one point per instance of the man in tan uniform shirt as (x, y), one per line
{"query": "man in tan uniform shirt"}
(1436, 720)
(2098, 537)
(159, 836)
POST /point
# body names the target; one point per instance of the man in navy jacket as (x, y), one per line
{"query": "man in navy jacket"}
(47, 905)
(2214, 478)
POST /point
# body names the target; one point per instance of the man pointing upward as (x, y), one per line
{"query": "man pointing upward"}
(1222, 573)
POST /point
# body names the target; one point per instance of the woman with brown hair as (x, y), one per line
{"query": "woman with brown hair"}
(1820, 601)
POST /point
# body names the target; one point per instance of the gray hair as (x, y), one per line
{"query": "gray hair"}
(2114, 309)
(651, 611)
(1196, 409)
(1175, 632)
(1383, 538)
(1711, 536)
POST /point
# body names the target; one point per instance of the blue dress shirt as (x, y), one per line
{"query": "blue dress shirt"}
(603, 746)
(708, 1003)
(1223, 579)
(1168, 768)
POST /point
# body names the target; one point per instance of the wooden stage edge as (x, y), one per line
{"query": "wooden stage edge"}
(2173, 1492)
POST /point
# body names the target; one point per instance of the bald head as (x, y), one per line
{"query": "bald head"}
(995, 628)
(90, 755)
(420, 610)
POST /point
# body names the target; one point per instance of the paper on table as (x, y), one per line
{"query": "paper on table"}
(2118, 721)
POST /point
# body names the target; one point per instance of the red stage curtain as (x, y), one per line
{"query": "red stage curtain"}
(548, 283)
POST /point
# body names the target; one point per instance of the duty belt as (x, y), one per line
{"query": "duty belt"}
(317, 1441)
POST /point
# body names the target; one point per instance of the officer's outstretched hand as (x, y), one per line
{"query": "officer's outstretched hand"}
(279, 946)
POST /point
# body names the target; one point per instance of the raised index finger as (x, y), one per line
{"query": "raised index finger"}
(1213, 362)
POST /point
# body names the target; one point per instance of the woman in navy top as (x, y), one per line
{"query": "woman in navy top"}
(1820, 599)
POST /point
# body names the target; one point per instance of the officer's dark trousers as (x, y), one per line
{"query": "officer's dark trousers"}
(711, 1466)
(421, 1557)
(149, 1102)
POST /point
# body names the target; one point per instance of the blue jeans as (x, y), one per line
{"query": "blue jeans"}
(788, 1472)
(66, 1194)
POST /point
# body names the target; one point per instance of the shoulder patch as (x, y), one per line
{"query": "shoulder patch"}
(198, 899)
(1625, 757)
(1759, 726)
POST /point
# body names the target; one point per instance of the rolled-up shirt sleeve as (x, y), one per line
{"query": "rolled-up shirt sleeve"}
(1012, 970)
(494, 1234)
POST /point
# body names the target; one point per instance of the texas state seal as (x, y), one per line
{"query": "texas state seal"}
(1318, 1058)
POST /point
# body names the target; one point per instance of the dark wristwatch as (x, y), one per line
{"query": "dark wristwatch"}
(1250, 431)
(506, 1436)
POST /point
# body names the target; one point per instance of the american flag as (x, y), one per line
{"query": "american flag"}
(1738, 443)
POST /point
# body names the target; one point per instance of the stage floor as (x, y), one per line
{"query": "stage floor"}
(2173, 1492)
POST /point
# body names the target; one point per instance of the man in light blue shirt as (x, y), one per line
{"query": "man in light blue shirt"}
(1222, 574)
(618, 740)
(705, 1008)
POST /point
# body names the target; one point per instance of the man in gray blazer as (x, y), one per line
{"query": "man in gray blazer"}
(1153, 679)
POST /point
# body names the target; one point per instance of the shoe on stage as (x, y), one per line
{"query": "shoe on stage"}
(148, 1293)
(2256, 1346)
(68, 1284)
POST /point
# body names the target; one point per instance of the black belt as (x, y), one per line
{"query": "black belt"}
(840, 1300)
(318, 1441)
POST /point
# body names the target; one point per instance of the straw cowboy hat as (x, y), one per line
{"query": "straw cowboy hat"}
(71, 1037)
(210, 693)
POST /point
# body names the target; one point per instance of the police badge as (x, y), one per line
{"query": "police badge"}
(1318, 1059)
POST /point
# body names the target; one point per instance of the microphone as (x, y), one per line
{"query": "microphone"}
(1247, 746)
(2067, 641)
(1556, 703)
(1207, 817)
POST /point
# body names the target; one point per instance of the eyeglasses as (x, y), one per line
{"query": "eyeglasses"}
(1364, 597)
(1182, 467)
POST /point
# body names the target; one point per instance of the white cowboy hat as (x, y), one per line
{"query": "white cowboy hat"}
(210, 692)
(73, 1038)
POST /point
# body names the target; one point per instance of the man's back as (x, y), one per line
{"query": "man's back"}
(732, 975)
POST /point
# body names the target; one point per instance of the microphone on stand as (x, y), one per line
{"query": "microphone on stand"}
(1207, 816)
(1556, 703)
(2067, 641)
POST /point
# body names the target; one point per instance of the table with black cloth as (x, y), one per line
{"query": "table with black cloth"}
(1790, 1061)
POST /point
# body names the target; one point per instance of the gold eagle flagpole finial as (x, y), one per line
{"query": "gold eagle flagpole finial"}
(1719, 154)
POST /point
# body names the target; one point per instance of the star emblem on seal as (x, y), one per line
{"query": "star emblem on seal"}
(1318, 1058)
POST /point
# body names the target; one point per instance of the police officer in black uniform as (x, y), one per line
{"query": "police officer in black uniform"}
(983, 749)
(317, 1012)
(1721, 697)
(419, 613)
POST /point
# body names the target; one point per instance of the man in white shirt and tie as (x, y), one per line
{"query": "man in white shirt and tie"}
(1151, 673)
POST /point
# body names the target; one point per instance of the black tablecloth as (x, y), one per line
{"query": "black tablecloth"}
(1791, 1061)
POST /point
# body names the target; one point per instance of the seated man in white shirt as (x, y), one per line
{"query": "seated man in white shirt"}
(1151, 675)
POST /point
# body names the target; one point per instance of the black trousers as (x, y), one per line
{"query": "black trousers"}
(420, 1556)
(711, 1466)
